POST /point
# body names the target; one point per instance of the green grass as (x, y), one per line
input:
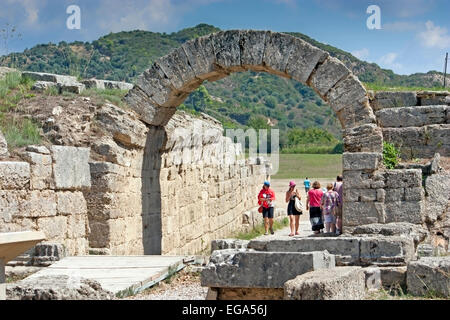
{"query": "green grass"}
(310, 149)
(299, 166)
(260, 230)
(18, 132)
(380, 87)
(21, 132)
(396, 292)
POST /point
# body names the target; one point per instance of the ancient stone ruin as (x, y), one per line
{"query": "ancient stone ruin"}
(125, 191)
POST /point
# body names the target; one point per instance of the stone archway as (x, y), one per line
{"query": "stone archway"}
(170, 80)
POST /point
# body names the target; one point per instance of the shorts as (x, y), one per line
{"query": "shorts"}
(268, 212)
(329, 218)
(307, 189)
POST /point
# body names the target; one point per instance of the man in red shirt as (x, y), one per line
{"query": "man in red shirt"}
(266, 199)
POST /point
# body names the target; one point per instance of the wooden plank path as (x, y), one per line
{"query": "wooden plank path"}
(122, 275)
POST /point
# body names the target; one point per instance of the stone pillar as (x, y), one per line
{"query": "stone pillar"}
(2, 280)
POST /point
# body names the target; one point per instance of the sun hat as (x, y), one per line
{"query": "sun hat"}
(292, 184)
(267, 183)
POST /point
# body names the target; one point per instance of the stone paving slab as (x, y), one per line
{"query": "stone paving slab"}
(255, 269)
(127, 274)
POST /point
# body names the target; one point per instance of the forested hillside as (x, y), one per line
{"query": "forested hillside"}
(242, 100)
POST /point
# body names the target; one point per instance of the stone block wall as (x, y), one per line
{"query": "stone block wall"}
(383, 196)
(44, 192)
(172, 191)
(418, 123)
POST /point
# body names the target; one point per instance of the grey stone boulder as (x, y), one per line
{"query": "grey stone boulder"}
(57, 287)
(386, 99)
(251, 269)
(71, 168)
(106, 84)
(429, 275)
(38, 149)
(437, 188)
(64, 83)
(341, 283)
(3, 146)
(223, 244)
(417, 232)
(345, 249)
(41, 86)
(47, 253)
(386, 251)
(372, 278)
(393, 276)
(374, 250)
(361, 161)
(428, 98)
(412, 116)
(123, 125)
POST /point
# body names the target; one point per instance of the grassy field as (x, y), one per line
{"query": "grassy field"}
(378, 87)
(295, 166)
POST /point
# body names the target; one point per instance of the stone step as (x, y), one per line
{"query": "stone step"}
(349, 251)
(342, 283)
(253, 269)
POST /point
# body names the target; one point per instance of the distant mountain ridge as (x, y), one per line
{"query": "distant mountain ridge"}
(124, 55)
(246, 99)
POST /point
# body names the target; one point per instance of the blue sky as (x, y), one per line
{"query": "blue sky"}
(414, 37)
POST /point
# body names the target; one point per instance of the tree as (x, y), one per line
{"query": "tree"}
(8, 33)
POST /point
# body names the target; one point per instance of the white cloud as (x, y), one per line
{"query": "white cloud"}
(31, 9)
(434, 36)
(155, 15)
(362, 54)
(389, 61)
(402, 26)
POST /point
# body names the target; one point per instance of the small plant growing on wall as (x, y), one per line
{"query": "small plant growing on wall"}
(391, 156)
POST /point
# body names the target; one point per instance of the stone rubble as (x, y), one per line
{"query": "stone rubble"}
(429, 275)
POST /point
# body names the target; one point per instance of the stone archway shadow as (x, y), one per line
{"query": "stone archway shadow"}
(170, 80)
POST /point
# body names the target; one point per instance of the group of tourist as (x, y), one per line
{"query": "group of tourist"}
(324, 205)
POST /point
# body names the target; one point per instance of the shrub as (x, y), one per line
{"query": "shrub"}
(391, 156)
(21, 133)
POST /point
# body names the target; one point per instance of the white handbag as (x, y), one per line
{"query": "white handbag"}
(298, 205)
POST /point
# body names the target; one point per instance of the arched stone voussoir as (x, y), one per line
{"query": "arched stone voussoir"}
(327, 75)
(148, 111)
(350, 101)
(156, 85)
(253, 44)
(200, 54)
(303, 60)
(227, 50)
(278, 49)
(178, 70)
(356, 114)
(365, 138)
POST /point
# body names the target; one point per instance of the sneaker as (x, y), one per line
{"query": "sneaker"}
(266, 234)
(271, 231)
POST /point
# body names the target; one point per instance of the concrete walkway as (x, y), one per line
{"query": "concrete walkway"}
(127, 274)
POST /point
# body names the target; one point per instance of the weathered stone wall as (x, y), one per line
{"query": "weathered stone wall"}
(171, 191)
(43, 192)
(418, 123)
